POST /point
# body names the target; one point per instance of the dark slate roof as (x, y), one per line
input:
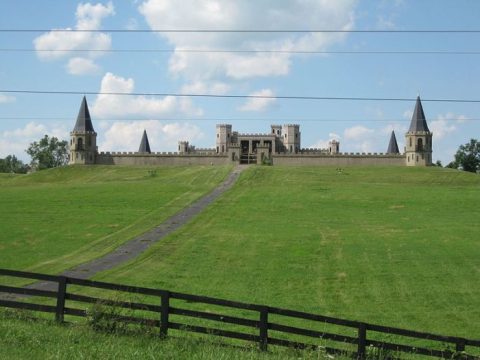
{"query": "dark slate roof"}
(419, 123)
(84, 122)
(392, 145)
(144, 144)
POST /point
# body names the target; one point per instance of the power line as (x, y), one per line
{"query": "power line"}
(301, 31)
(346, 52)
(277, 97)
(224, 119)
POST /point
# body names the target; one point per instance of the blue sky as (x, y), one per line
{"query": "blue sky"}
(119, 121)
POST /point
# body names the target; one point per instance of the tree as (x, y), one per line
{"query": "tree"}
(48, 152)
(12, 165)
(468, 156)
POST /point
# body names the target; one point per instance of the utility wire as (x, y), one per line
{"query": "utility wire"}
(277, 97)
(301, 31)
(224, 119)
(347, 52)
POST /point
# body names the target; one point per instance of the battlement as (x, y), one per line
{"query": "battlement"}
(325, 153)
(258, 135)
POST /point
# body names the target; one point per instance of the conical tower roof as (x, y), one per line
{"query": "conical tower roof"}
(84, 122)
(419, 123)
(144, 144)
(392, 145)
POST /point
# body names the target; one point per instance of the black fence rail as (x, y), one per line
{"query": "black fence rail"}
(261, 326)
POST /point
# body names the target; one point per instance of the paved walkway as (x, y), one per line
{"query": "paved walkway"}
(138, 245)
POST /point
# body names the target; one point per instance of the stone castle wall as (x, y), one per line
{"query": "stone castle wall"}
(158, 159)
(315, 159)
(351, 159)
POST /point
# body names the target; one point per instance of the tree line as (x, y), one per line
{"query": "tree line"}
(50, 152)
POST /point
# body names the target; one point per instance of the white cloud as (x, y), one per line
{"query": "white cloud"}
(82, 66)
(323, 144)
(6, 99)
(203, 87)
(16, 141)
(126, 135)
(358, 132)
(127, 106)
(397, 127)
(124, 106)
(445, 124)
(359, 139)
(259, 104)
(232, 14)
(89, 17)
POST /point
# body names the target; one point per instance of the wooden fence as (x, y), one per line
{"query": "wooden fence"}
(261, 327)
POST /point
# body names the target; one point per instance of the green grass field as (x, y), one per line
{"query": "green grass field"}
(55, 219)
(26, 337)
(393, 246)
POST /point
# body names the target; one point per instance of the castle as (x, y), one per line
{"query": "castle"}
(281, 146)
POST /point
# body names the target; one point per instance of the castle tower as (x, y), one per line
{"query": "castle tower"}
(418, 139)
(224, 133)
(183, 147)
(83, 138)
(392, 145)
(333, 146)
(276, 130)
(144, 144)
(291, 138)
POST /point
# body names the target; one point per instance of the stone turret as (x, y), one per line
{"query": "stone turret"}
(183, 147)
(83, 138)
(418, 139)
(291, 138)
(144, 144)
(224, 133)
(392, 145)
(333, 146)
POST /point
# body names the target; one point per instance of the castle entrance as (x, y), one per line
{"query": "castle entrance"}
(247, 156)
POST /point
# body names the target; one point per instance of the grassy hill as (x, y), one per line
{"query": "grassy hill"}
(54, 219)
(394, 246)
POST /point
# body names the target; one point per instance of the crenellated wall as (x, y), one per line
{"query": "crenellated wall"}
(158, 159)
(307, 158)
(342, 159)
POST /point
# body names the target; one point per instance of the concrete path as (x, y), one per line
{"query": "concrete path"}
(138, 245)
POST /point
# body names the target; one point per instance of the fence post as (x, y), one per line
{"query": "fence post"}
(362, 340)
(165, 298)
(263, 325)
(62, 290)
(460, 345)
